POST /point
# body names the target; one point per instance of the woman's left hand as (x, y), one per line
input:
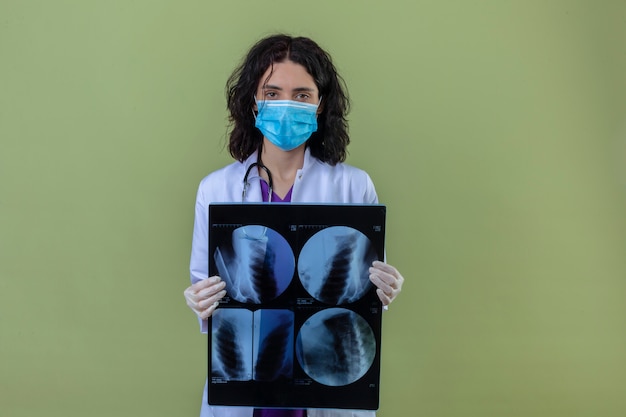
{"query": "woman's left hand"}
(388, 281)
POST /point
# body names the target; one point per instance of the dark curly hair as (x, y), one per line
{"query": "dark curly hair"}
(331, 139)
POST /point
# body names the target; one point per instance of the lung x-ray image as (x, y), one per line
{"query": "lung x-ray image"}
(251, 345)
(336, 347)
(256, 264)
(334, 265)
(300, 325)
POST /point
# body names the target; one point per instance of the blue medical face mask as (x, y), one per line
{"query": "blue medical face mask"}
(286, 123)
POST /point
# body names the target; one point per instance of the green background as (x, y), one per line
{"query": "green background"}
(495, 132)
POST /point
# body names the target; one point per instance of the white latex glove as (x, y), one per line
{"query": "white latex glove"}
(388, 281)
(203, 297)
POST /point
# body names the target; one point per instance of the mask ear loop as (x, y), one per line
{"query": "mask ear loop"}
(254, 114)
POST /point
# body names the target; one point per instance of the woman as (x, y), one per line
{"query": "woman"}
(287, 109)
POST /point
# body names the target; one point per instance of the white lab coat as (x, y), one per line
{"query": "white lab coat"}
(316, 182)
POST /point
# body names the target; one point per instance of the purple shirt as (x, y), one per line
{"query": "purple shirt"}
(265, 189)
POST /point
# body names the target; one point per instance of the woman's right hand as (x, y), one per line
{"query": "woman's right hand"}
(203, 297)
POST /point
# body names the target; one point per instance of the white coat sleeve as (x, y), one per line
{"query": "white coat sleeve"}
(199, 263)
(370, 192)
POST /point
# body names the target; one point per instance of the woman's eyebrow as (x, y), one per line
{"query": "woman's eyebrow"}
(298, 89)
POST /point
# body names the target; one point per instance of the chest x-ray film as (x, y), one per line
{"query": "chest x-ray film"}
(300, 325)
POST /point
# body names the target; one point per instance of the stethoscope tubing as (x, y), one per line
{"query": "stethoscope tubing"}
(246, 184)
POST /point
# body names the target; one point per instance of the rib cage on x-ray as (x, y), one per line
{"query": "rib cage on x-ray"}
(252, 345)
(255, 267)
(295, 332)
(261, 271)
(336, 347)
(229, 354)
(333, 265)
(336, 282)
(241, 265)
(231, 348)
(271, 355)
(274, 334)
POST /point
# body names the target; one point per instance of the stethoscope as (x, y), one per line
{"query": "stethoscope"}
(248, 232)
(246, 184)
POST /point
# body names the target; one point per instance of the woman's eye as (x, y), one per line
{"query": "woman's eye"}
(270, 94)
(302, 97)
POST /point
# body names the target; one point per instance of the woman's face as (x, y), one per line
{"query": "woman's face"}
(288, 81)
